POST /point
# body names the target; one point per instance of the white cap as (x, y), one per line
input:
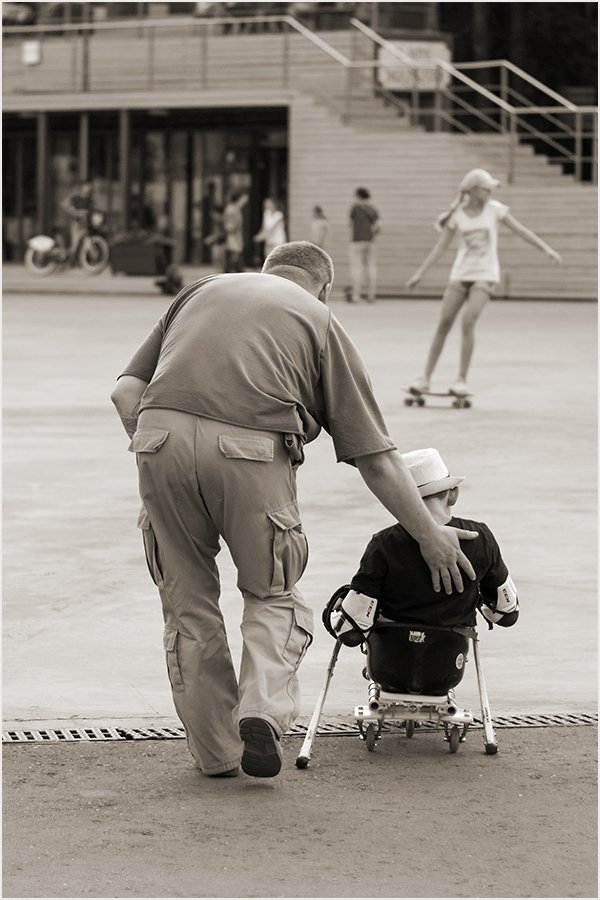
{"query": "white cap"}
(478, 178)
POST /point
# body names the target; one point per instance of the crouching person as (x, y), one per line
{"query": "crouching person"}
(393, 582)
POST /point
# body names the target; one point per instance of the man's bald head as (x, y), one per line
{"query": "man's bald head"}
(305, 264)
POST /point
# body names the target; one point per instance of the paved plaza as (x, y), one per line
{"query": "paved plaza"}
(83, 632)
(83, 627)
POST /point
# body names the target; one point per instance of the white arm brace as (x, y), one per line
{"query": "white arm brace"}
(507, 601)
(356, 611)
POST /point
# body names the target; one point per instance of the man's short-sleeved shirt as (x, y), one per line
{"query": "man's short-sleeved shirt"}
(259, 351)
(393, 570)
(477, 254)
(363, 217)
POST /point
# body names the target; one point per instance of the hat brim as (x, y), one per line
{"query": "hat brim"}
(442, 484)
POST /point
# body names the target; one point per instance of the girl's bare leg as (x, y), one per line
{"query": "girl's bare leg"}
(452, 300)
(476, 301)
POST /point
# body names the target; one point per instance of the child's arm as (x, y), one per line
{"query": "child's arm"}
(530, 236)
(438, 250)
(353, 617)
(503, 608)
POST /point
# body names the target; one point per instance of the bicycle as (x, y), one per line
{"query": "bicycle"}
(91, 251)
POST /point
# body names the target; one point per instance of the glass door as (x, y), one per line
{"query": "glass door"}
(18, 199)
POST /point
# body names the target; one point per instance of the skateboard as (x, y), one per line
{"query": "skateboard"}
(417, 398)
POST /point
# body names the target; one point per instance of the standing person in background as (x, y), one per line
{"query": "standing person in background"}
(364, 228)
(272, 229)
(233, 224)
(319, 228)
(475, 274)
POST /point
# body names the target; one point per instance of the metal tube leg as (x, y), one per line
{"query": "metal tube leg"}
(486, 715)
(305, 750)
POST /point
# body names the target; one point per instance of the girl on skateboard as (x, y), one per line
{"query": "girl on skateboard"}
(475, 218)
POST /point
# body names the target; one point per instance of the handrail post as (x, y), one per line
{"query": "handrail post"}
(415, 96)
(510, 177)
(348, 103)
(437, 101)
(204, 44)
(150, 71)
(503, 95)
(595, 147)
(286, 55)
(578, 146)
(85, 62)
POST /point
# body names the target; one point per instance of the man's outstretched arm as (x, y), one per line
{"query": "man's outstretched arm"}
(386, 475)
(126, 396)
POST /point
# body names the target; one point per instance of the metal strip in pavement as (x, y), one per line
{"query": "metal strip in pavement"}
(332, 728)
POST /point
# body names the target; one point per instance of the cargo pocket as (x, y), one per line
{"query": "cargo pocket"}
(171, 647)
(150, 548)
(237, 446)
(290, 548)
(148, 440)
(300, 636)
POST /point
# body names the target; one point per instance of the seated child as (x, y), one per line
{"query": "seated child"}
(393, 581)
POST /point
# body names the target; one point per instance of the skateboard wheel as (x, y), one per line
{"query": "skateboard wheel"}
(409, 401)
(421, 401)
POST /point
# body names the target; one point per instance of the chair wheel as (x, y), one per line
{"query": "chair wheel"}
(302, 762)
(491, 749)
(370, 738)
(454, 738)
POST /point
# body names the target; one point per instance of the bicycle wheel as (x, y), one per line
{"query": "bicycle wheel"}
(94, 254)
(38, 262)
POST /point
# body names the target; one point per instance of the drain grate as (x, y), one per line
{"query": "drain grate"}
(331, 727)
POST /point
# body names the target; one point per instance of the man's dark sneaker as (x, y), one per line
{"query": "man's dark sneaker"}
(229, 773)
(262, 755)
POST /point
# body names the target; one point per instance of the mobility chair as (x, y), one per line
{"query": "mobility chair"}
(412, 671)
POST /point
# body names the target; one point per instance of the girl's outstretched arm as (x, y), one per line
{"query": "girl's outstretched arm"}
(438, 250)
(530, 236)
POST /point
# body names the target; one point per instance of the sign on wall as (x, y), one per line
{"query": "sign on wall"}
(395, 75)
(31, 53)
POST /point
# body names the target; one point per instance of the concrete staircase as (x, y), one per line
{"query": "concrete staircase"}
(412, 176)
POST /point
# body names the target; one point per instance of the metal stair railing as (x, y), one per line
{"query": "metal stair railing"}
(564, 127)
(566, 131)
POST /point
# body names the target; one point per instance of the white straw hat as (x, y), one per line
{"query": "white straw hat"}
(430, 472)
(478, 178)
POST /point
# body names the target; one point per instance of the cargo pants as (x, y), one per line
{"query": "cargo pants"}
(201, 479)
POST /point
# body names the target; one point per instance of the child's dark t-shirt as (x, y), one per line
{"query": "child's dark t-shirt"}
(393, 570)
